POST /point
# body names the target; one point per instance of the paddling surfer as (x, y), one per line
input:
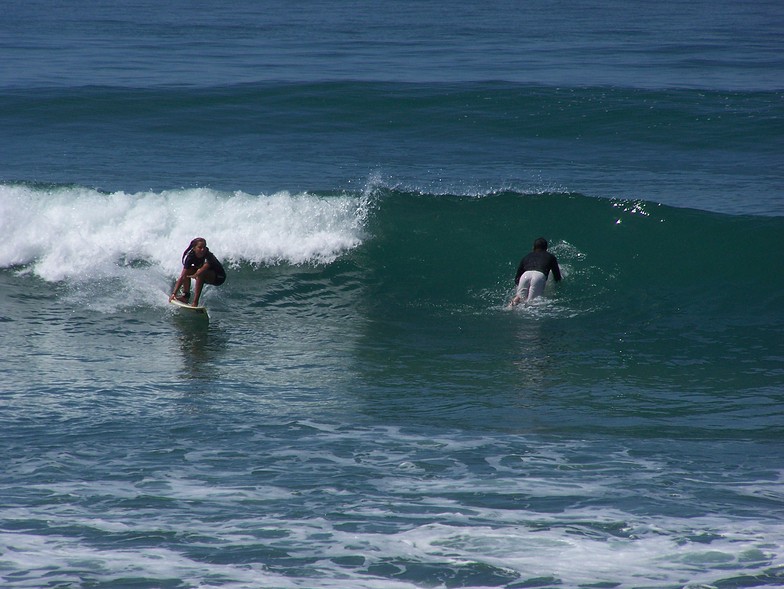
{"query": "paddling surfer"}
(532, 273)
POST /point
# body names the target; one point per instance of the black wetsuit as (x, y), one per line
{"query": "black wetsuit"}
(195, 262)
(542, 261)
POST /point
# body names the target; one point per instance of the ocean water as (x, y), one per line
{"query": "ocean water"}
(361, 409)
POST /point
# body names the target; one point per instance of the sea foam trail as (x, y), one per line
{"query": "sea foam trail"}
(75, 233)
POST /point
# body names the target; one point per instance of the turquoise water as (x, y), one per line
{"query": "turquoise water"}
(361, 409)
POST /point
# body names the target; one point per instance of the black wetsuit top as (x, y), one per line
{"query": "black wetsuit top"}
(193, 261)
(539, 260)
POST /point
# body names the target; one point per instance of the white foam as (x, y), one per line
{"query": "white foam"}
(75, 233)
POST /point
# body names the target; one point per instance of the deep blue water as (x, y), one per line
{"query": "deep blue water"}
(361, 409)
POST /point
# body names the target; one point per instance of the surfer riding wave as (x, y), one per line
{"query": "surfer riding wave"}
(198, 263)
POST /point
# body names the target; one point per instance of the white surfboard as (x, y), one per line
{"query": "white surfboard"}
(187, 307)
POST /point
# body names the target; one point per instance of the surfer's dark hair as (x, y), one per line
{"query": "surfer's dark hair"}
(540, 244)
(191, 245)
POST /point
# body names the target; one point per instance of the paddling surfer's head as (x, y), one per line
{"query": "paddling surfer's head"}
(540, 244)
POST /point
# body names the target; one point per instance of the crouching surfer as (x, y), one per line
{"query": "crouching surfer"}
(532, 273)
(200, 264)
